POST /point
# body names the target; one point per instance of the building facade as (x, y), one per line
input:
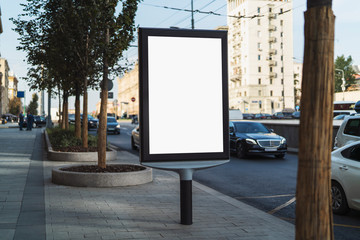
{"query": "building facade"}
(13, 86)
(260, 55)
(128, 93)
(4, 86)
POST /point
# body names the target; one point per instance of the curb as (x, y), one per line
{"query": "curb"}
(78, 156)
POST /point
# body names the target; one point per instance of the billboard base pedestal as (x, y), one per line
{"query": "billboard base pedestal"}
(185, 171)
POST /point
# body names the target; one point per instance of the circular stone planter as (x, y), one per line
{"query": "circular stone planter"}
(76, 156)
(118, 179)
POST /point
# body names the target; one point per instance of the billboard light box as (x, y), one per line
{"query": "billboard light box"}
(183, 95)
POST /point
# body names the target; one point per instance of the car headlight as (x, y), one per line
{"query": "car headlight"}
(118, 126)
(283, 141)
(250, 141)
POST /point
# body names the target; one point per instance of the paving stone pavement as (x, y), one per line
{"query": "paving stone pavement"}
(31, 208)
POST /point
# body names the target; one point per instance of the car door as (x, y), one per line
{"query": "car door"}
(349, 174)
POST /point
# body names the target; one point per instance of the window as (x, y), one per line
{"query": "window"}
(259, 92)
(281, 22)
(270, 10)
(245, 94)
(259, 21)
(281, 10)
(259, 80)
(271, 69)
(282, 93)
(352, 153)
(281, 34)
(282, 58)
(281, 45)
(353, 127)
(271, 93)
(271, 81)
(282, 81)
(259, 45)
(258, 9)
(282, 69)
(259, 33)
(259, 57)
(259, 69)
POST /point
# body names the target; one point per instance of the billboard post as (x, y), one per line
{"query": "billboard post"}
(184, 113)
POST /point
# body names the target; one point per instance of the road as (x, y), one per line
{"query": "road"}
(266, 183)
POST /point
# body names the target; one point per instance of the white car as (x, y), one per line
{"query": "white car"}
(345, 178)
(348, 132)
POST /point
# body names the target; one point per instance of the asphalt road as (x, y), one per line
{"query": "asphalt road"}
(266, 183)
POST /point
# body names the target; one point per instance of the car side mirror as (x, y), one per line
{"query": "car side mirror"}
(271, 130)
(232, 130)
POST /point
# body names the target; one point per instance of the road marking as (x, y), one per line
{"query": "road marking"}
(282, 206)
(261, 197)
(335, 224)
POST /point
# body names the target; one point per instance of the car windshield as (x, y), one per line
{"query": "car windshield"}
(111, 120)
(250, 127)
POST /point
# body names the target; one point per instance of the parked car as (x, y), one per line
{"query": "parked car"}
(135, 138)
(349, 131)
(289, 115)
(39, 121)
(112, 125)
(340, 117)
(267, 116)
(248, 116)
(92, 122)
(296, 115)
(278, 115)
(26, 122)
(259, 116)
(345, 178)
(253, 138)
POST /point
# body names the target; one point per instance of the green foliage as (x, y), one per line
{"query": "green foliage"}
(65, 138)
(344, 64)
(33, 105)
(14, 106)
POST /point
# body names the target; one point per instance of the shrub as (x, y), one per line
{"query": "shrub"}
(60, 138)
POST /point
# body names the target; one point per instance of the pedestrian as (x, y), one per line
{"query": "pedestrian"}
(21, 120)
(30, 120)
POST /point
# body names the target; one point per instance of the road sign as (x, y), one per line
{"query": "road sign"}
(133, 99)
(20, 94)
(110, 85)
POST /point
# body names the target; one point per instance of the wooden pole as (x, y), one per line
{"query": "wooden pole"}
(313, 193)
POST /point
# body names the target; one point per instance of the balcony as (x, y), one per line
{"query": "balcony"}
(273, 51)
(272, 16)
(273, 75)
(272, 63)
(272, 28)
(272, 39)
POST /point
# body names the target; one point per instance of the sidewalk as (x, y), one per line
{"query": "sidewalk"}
(31, 207)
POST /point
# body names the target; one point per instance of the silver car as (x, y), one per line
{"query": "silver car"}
(348, 132)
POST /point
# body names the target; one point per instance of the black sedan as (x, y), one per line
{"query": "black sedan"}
(253, 138)
(112, 125)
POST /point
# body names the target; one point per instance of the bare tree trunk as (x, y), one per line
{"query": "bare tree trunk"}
(63, 123)
(77, 114)
(313, 193)
(85, 101)
(66, 110)
(60, 112)
(103, 111)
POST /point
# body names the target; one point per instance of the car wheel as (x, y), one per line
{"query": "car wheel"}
(133, 147)
(281, 155)
(240, 153)
(339, 202)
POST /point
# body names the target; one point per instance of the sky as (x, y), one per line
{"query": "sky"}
(151, 13)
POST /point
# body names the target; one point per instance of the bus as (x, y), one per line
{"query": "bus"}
(344, 107)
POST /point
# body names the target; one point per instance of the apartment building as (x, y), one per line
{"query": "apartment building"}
(128, 92)
(4, 86)
(261, 69)
(13, 86)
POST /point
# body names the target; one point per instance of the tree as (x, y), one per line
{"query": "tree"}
(33, 105)
(313, 190)
(117, 34)
(14, 106)
(345, 64)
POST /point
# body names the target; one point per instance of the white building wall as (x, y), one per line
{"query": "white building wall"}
(251, 45)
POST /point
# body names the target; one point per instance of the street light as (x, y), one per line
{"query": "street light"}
(343, 81)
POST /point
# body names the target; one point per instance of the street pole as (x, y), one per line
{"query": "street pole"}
(48, 119)
(343, 81)
(192, 14)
